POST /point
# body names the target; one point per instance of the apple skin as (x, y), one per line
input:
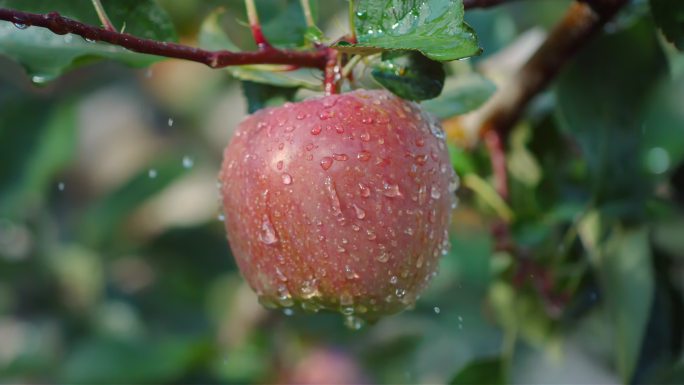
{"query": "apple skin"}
(339, 202)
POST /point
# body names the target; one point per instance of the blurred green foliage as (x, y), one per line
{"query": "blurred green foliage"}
(114, 267)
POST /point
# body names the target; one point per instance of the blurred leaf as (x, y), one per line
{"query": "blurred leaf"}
(522, 164)
(664, 120)
(46, 55)
(283, 22)
(103, 219)
(109, 360)
(263, 95)
(461, 160)
(669, 16)
(410, 75)
(213, 37)
(433, 27)
(33, 148)
(623, 265)
(481, 371)
(601, 105)
(466, 93)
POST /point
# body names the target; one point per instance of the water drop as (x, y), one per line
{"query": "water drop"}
(267, 235)
(340, 157)
(20, 25)
(363, 156)
(316, 130)
(329, 102)
(658, 160)
(152, 173)
(422, 194)
(391, 190)
(326, 162)
(221, 217)
(437, 310)
(364, 190)
(60, 186)
(170, 122)
(400, 293)
(360, 213)
(434, 193)
(349, 273)
(188, 162)
(420, 142)
(287, 179)
(383, 257)
(346, 299)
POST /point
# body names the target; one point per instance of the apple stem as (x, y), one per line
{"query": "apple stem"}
(333, 73)
(253, 17)
(106, 22)
(214, 59)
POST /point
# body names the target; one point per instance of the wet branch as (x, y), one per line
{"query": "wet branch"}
(215, 59)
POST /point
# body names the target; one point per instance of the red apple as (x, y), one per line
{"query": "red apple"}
(339, 202)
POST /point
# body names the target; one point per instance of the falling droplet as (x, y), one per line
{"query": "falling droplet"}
(420, 142)
(365, 137)
(188, 162)
(329, 102)
(170, 122)
(152, 173)
(437, 310)
(287, 179)
(360, 213)
(334, 199)
(394, 280)
(267, 235)
(325, 115)
(60, 186)
(352, 322)
(301, 116)
(326, 162)
(288, 312)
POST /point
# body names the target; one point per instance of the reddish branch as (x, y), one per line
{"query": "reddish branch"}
(214, 59)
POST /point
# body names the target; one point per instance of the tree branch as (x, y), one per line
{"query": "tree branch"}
(580, 23)
(214, 59)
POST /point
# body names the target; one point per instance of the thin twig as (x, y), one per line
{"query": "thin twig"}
(306, 6)
(497, 156)
(104, 19)
(214, 59)
(580, 23)
(254, 24)
(332, 73)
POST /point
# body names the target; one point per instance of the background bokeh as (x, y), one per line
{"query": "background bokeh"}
(114, 265)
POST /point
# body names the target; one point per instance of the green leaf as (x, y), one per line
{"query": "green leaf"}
(626, 275)
(410, 75)
(601, 105)
(213, 37)
(481, 371)
(102, 221)
(433, 27)
(669, 16)
(461, 95)
(33, 148)
(263, 95)
(283, 22)
(46, 55)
